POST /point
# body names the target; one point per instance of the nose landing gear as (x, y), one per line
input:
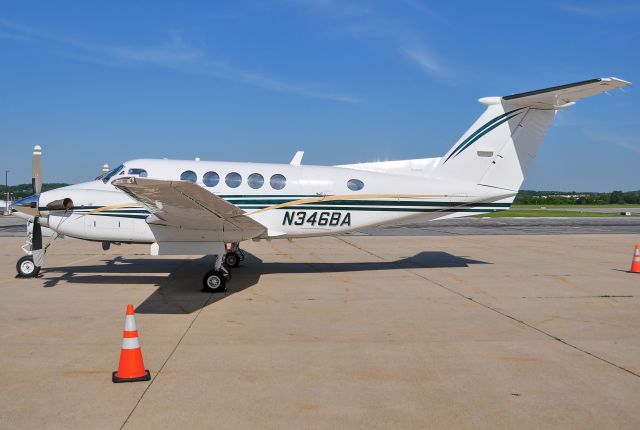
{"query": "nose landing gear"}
(26, 267)
(29, 265)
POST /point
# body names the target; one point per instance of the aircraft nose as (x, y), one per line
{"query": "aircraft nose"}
(27, 205)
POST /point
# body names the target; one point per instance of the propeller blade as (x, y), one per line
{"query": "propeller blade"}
(36, 169)
(36, 243)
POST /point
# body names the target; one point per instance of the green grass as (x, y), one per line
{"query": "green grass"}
(553, 207)
(549, 213)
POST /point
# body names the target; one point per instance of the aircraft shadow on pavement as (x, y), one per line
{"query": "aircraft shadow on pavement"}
(180, 292)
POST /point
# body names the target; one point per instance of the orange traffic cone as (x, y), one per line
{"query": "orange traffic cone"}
(131, 368)
(635, 263)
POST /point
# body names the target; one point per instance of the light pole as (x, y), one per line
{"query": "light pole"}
(6, 184)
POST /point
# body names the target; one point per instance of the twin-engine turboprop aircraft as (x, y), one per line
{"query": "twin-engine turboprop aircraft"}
(197, 207)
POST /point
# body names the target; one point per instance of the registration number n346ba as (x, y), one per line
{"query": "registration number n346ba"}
(307, 218)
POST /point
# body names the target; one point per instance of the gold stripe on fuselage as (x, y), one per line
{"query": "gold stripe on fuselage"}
(111, 207)
(306, 201)
(352, 197)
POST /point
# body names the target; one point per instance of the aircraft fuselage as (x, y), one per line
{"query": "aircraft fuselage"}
(290, 201)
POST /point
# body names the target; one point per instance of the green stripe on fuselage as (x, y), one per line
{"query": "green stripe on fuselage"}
(374, 209)
(368, 203)
(479, 133)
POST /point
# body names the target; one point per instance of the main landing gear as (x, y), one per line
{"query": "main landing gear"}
(215, 280)
(234, 255)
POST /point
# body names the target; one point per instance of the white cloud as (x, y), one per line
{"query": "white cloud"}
(600, 9)
(174, 54)
(365, 24)
(424, 59)
(631, 143)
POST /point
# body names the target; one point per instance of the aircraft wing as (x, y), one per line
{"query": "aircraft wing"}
(563, 95)
(185, 205)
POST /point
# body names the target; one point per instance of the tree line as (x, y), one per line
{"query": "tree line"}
(24, 190)
(528, 197)
(524, 197)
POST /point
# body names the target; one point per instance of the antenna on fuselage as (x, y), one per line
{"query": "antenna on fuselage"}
(105, 169)
(297, 159)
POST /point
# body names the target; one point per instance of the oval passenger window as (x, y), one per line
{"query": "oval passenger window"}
(189, 175)
(278, 181)
(255, 180)
(211, 179)
(355, 184)
(233, 180)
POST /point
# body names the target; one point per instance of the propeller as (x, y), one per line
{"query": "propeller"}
(36, 170)
(37, 252)
(27, 207)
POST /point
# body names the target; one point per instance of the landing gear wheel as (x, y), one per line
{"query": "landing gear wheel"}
(232, 259)
(214, 281)
(26, 268)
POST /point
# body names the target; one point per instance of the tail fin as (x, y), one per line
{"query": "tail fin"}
(499, 147)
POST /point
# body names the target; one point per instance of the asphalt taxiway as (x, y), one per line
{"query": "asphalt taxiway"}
(448, 331)
(15, 227)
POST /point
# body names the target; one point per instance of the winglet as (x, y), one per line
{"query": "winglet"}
(297, 159)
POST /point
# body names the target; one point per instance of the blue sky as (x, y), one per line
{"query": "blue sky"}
(346, 81)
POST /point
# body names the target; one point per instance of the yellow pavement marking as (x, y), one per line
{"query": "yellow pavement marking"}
(80, 260)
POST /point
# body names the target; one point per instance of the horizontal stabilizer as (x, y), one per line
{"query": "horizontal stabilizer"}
(562, 95)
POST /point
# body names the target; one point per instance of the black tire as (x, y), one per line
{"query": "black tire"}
(214, 281)
(232, 259)
(26, 268)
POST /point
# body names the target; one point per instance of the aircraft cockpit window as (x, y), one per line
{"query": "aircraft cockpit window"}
(278, 181)
(112, 173)
(255, 180)
(355, 184)
(211, 179)
(233, 180)
(189, 175)
(138, 172)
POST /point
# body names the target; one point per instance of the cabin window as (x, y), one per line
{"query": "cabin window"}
(233, 180)
(138, 172)
(189, 175)
(355, 184)
(255, 180)
(211, 179)
(278, 181)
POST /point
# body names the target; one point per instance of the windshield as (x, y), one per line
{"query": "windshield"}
(112, 173)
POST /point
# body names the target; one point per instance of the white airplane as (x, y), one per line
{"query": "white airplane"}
(193, 207)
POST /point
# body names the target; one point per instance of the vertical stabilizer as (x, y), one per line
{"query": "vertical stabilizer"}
(499, 147)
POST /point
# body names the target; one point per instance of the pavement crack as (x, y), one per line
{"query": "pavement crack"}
(498, 311)
(604, 296)
(175, 348)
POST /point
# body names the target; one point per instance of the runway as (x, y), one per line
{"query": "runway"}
(359, 332)
(14, 227)
(511, 226)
